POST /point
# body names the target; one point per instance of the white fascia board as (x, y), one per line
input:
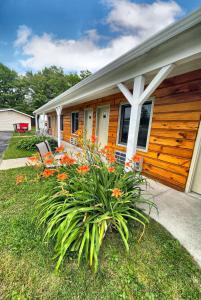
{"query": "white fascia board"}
(17, 111)
(158, 39)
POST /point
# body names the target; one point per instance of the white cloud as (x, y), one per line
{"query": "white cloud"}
(133, 22)
(23, 33)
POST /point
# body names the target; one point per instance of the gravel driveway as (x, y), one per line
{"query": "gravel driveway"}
(4, 139)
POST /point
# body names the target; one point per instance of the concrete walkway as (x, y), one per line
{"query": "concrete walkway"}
(13, 163)
(180, 214)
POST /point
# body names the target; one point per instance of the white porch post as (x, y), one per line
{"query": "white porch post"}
(58, 111)
(136, 101)
(36, 122)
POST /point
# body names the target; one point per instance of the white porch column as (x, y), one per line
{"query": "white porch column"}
(36, 122)
(136, 101)
(135, 117)
(58, 111)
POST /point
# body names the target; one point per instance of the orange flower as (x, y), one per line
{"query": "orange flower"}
(93, 139)
(127, 164)
(111, 169)
(49, 161)
(83, 169)
(48, 154)
(60, 149)
(33, 159)
(111, 158)
(62, 176)
(67, 160)
(136, 158)
(47, 173)
(117, 193)
(20, 179)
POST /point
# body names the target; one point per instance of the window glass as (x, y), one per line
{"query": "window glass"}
(62, 122)
(144, 124)
(49, 122)
(75, 121)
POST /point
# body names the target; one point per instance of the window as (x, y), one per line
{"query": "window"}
(144, 124)
(75, 121)
(49, 122)
(62, 122)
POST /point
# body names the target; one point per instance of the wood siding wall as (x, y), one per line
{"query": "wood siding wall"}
(176, 118)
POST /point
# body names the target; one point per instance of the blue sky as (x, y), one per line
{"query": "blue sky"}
(79, 34)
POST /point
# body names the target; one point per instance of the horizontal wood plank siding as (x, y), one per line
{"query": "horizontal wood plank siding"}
(176, 117)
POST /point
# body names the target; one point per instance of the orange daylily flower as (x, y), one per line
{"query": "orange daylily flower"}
(60, 149)
(117, 193)
(111, 169)
(83, 169)
(20, 179)
(48, 172)
(62, 176)
(93, 139)
(48, 154)
(33, 159)
(67, 160)
(111, 158)
(136, 158)
(127, 164)
(49, 161)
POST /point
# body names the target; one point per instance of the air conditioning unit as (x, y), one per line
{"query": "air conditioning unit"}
(73, 141)
(120, 157)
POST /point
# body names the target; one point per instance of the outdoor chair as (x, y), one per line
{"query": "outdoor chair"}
(43, 148)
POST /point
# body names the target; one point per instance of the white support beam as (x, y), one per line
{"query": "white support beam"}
(125, 91)
(136, 100)
(156, 81)
(58, 111)
(36, 122)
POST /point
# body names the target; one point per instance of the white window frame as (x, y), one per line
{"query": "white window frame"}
(77, 111)
(149, 129)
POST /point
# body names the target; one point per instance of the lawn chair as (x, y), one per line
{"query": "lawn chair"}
(43, 148)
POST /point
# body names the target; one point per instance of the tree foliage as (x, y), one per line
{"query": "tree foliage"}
(30, 91)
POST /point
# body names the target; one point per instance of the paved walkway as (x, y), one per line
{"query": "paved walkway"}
(13, 163)
(180, 214)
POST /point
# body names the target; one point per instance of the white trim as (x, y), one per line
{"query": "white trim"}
(125, 91)
(152, 100)
(96, 129)
(71, 123)
(195, 157)
(17, 111)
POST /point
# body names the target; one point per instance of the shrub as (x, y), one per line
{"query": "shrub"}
(29, 143)
(92, 194)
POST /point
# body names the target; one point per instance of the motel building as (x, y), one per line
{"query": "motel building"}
(148, 101)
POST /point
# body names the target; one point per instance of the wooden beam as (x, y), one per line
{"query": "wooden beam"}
(125, 91)
(156, 81)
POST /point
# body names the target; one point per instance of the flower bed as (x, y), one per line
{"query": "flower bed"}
(92, 194)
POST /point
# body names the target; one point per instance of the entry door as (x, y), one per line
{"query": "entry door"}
(196, 186)
(88, 116)
(102, 125)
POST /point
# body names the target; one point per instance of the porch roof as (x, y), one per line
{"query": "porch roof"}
(179, 44)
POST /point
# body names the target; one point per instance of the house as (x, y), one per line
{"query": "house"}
(149, 101)
(10, 116)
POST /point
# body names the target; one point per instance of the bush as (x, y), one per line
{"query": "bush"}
(29, 143)
(92, 194)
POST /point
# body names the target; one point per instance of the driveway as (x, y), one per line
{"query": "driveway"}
(4, 139)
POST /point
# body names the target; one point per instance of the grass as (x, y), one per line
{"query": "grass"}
(12, 151)
(157, 268)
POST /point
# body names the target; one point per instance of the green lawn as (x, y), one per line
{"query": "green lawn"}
(156, 268)
(12, 151)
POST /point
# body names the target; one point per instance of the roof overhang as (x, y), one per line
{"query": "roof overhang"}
(17, 111)
(178, 44)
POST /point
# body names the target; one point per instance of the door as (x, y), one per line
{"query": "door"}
(102, 125)
(196, 186)
(88, 119)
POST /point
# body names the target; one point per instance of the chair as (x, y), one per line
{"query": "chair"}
(44, 148)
